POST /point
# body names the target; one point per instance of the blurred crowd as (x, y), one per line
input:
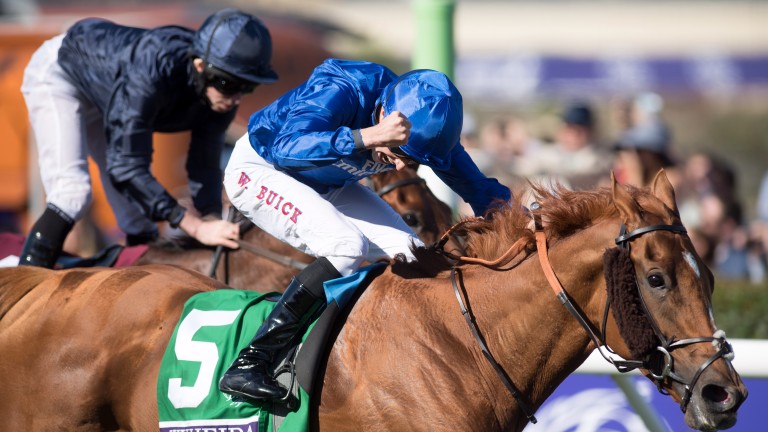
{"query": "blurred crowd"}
(513, 149)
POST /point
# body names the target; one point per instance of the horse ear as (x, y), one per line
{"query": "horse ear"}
(662, 189)
(628, 208)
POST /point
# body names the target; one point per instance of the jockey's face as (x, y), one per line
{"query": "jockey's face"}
(392, 156)
(386, 155)
(220, 102)
(222, 90)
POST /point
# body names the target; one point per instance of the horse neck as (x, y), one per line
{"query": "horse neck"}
(404, 323)
(533, 336)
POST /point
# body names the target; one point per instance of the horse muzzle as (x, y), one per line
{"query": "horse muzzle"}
(713, 405)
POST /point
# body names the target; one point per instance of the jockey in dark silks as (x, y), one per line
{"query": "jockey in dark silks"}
(102, 90)
(295, 175)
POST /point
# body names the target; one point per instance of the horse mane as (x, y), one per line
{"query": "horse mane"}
(564, 212)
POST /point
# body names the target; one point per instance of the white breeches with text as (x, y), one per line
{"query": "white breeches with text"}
(347, 225)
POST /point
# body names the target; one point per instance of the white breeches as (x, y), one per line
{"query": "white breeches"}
(346, 225)
(68, 128)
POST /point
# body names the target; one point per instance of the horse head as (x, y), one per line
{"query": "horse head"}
(660, 293)
(622, 264)
(409, 195)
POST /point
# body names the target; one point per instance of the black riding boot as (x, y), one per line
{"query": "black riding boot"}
(46, 238)
(250, 374)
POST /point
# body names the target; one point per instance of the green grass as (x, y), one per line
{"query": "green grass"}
(741, 308)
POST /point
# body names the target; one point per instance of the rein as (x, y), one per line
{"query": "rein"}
(250, 247)
(400, 183)
(461, 293)
(504, 259)
(665, 347)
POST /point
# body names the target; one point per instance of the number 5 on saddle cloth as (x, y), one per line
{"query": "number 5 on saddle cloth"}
(212, 330)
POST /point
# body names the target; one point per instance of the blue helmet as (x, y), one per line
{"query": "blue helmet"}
(236, 43)
(434, 107)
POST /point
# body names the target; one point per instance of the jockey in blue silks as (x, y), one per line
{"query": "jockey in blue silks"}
(295, 174)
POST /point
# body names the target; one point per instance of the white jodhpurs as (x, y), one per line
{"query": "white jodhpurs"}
(347, 225)
(68, 128)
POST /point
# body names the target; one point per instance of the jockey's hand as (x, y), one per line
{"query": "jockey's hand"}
(392, 131)
(211, 232)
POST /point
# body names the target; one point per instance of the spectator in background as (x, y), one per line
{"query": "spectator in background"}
(713, 214)
(758, 234)
(575, 159)
(762, 199)
(643, 147)
(495, 145)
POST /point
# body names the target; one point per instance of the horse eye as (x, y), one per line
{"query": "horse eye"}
(410, 219)
(656, 281)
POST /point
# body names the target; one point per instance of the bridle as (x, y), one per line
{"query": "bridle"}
(410, 218)
(665, 345)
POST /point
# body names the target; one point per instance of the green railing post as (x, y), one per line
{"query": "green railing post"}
(433, 44)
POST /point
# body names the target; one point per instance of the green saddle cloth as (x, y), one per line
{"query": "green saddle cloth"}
(205, 342)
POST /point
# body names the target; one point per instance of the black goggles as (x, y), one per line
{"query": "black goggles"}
(227, 84)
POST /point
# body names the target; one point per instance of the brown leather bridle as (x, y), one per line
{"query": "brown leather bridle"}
(665, 345)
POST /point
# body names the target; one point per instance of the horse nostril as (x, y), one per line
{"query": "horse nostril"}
(715, 393)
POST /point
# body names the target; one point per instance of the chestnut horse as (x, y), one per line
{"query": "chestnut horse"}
(81, 348)
(264, 263)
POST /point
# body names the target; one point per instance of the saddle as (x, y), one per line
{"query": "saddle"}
(111, 256)
(302, 364)
(224, 321)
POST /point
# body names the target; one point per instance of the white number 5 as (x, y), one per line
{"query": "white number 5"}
(204, 352)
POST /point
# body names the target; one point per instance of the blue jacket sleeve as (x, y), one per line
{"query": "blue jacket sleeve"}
(316, 134)
(465, 178)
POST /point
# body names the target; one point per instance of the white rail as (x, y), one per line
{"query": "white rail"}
(749, 361)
